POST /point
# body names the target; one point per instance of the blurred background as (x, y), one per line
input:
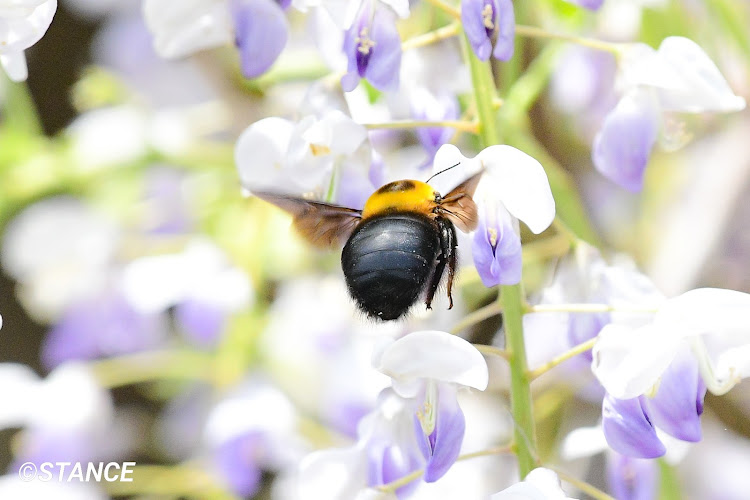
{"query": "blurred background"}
(128, 248)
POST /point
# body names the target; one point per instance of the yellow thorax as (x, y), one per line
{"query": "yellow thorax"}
(401, 196)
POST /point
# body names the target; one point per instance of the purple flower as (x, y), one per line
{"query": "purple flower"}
(496, 249)
(202, 322)
(630, 424)
(588, 4)
(104, 326)
(632, 478)
(237, 463)
(261, 33)
(441, 447)
(623, 145)
(426, 106)
(484, 19)
(373, 48)
(678, 404)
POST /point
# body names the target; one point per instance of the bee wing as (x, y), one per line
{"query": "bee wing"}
(459, 207)
(321, 224)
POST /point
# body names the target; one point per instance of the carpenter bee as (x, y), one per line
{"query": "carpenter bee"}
(397, 247)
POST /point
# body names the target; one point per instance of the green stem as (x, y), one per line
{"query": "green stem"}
(511, 295)
(154, 365)
(20, 111)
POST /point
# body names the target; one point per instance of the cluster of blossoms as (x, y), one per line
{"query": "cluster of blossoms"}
(392, 407)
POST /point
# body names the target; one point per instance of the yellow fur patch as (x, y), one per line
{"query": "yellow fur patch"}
(401, 196)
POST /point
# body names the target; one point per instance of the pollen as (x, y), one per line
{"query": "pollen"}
(493, 236)
(487, 17)
(426, 417)
(319, 149)
(364, 42)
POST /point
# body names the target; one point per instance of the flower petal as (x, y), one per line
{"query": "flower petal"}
(678, 404)
(384, 65)
(14, 64)
(447, 437)
(506, 30)
(519, 182)
(628, 429)
(496, 248)
(433, 355)
(701, 86)
(540, 484)
(629, 362)
(632, 478)
(476, 32)
(335, 474)
(187, 26)
(260, 154)
(589, 4)
(261, 33)
(623, 145)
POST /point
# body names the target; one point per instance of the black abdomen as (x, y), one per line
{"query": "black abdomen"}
(388, 261)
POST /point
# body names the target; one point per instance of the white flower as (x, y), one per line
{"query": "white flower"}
(513, 186)
(68, 400)
(22, 24)
(540, 484)
(59, 251)
(714, 322)
(184, 27)
(681, 75)
(511, 177)
(200, 273)
(279, 155)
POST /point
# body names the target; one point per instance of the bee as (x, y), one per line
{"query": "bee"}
(397, 248)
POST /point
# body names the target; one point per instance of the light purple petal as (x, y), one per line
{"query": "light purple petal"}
(104, 326)
(506, 30)
(261, 32)
(473, 22)
(628, 430)
(496, 249)
(385, 62)
(202, 322)
(236, 463)
(588, 4)
(623, 145)
(678, 405)
(632, 478)
(445, 441)
(426, 106)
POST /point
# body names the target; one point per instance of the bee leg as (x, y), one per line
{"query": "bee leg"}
(449, 243)
(447, 257)
(435, 280)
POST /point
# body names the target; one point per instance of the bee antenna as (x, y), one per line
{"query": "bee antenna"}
(444, 170)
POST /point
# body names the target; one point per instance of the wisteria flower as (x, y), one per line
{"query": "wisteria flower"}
(539, 484)
(630, 425)
(417, 423)
(373, 48)
(55, 272)
(513, 186)
(200, 283)
(584, 277)
(483, 20)
(257, 27)
(279, 155)
(588, 4)
(712, 322)
(678, 77)
(628, 478)
(249, 431)
(427, 106)
(22, 24)
(429, 366)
